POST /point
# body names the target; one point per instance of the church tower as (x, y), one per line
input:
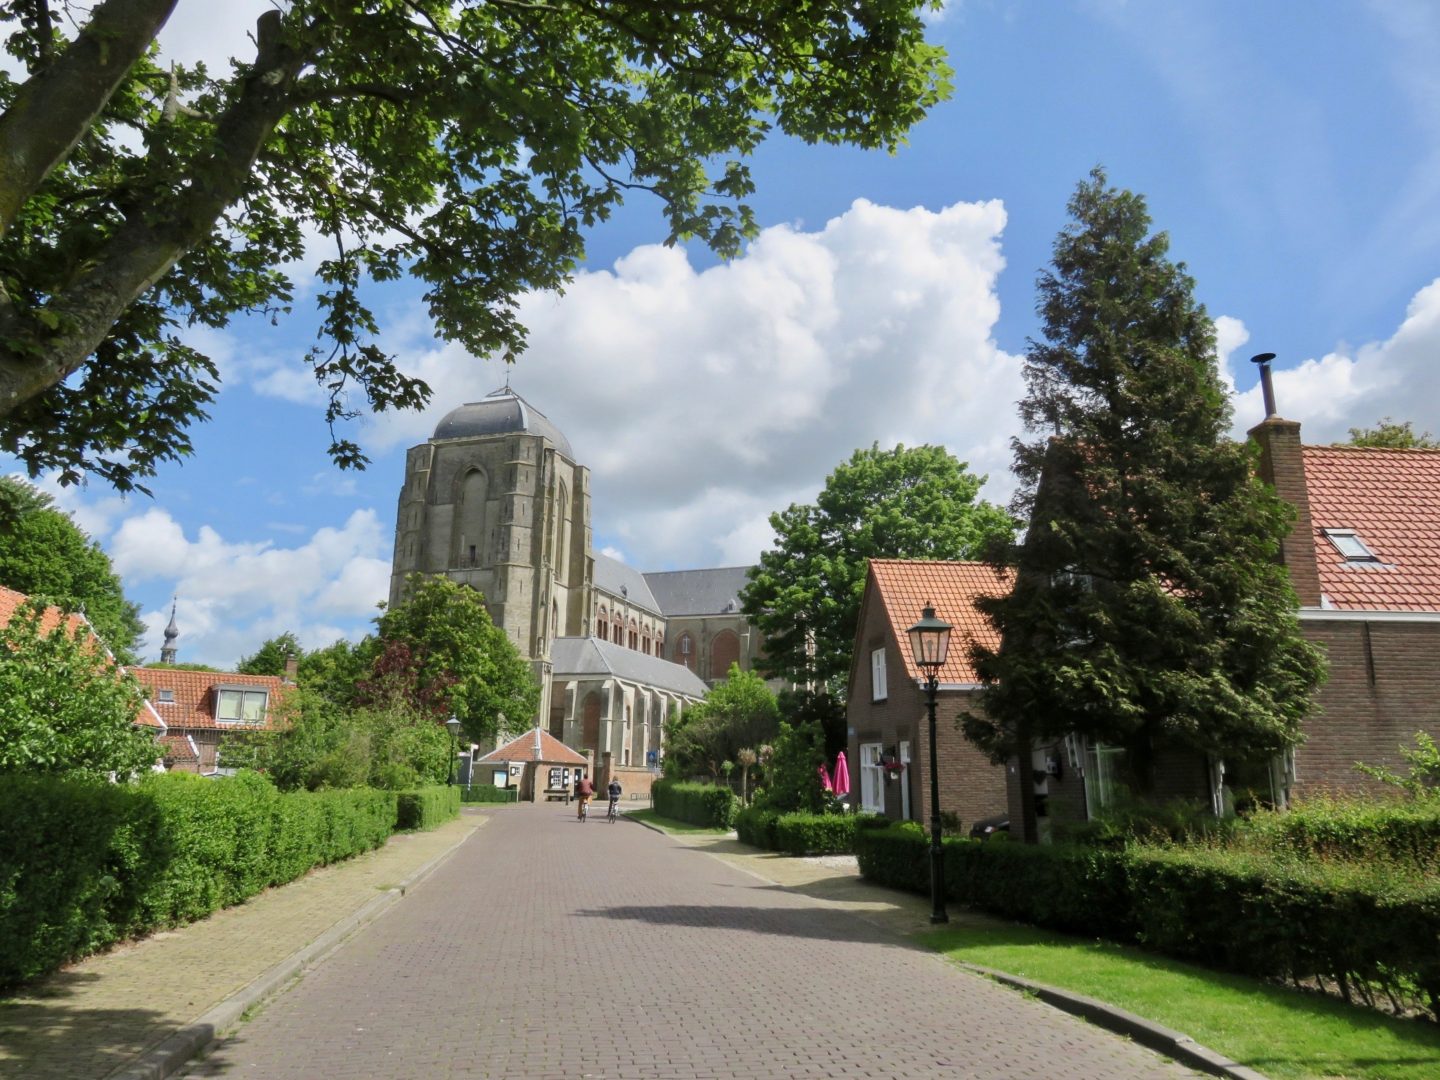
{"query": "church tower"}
(494, 500)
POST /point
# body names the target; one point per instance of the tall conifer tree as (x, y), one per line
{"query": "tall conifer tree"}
(1150, 608)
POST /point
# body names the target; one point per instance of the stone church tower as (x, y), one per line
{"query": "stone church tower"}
(495, 500)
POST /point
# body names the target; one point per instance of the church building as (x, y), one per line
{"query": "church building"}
(496, 500)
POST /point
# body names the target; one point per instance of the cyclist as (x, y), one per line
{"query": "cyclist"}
(584, 791)
(614, 792)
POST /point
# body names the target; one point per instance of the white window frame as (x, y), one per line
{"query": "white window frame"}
(1102, 781)
(1350, 546)
(245, 695)
(879, 690)
(872, 780)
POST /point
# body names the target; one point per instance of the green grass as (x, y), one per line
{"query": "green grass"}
(650, 817)
(1280, 1032)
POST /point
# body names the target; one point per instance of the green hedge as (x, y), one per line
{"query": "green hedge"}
(1371, 928)
(802, 833)
(488, 793)
(427, 807)
(84, 864)
(696, 804)
(1406, 831)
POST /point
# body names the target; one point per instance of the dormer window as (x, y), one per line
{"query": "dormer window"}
(240, 704)
(166, 697)
(1349, 544)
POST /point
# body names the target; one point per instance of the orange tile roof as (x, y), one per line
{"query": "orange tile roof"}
(1391, 498)
(194, 704)
(76, 625)
(522, 748)
(905, 586)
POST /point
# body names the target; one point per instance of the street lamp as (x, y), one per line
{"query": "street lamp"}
(453, 726)
(929, 642)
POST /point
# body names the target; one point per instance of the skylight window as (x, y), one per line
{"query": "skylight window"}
(1349, 544)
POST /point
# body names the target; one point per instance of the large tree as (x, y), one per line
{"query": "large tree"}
(44, 553)
(740, 713)
(1150, 606)
(906, 503)
(451, 643)
(65, 708)
(467, 143)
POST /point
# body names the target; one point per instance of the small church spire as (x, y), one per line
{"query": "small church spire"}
(167, 651)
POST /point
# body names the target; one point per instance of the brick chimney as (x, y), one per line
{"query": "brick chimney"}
(292, 668)
(1283, 467)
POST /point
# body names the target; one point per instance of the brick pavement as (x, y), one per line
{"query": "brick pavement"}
(555, 949)
(101, 1013)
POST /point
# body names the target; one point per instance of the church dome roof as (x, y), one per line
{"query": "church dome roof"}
(501, 413)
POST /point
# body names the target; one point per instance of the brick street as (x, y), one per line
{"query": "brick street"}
(547, 948)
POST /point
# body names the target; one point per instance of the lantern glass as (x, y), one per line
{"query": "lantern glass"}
(930, 640)
(453, 726)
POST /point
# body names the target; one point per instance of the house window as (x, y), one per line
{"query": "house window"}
(1349, 544)
(872, 782)
(166, 697)
(877, 675)
(1104, 776)
(240, 705)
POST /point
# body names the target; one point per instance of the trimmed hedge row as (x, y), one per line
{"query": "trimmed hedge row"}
(697, 804)
(802, 833)
(427, 807)
(84, 864)
(1407, 831)
(487, 793)
(1359, 925)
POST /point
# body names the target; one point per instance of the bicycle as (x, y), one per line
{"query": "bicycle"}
(584, 809)
(613, 814)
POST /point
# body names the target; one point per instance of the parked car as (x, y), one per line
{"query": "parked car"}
(988, 827)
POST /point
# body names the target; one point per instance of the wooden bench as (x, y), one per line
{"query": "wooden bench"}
(550, 796)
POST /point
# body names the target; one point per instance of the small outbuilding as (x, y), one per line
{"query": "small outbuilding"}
(536, 763)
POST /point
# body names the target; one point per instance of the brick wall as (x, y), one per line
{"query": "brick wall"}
(1383, 684)
(1282, 466)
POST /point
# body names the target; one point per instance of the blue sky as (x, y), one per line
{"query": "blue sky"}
(1291, 152)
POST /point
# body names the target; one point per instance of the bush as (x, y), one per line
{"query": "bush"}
(487, 793)
(696, 804)
(815, 834)
(1407, 832)
(427, 807)
(756, 826)
(84, 863)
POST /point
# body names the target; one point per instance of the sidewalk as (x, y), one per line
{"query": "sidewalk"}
(134, 1011)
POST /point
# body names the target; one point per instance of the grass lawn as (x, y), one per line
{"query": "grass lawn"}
(1280, 1032)
(650, 817)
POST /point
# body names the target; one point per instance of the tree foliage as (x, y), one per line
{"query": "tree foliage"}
(738, 713)
(452, 641)
(67, 709)
(270, 657)
(906, 503)
(792, 770)
(1150, 606)
(43, 553)
(466, 144)
(1393, 436)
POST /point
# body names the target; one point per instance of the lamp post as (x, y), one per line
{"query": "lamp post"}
(929, 642)
(453, 726)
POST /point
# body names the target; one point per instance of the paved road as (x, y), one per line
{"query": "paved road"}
(547, 948)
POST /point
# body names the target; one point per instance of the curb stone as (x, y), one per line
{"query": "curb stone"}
(195, 1038)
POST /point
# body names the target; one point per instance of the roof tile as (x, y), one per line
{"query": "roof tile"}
(906, 586)
(194, 704)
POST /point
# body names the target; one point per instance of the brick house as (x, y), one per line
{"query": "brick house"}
(1364, 560)
(886, 715)
(200, 708)
(536, 763)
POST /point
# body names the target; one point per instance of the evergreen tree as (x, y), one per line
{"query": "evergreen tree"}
(1150, 607)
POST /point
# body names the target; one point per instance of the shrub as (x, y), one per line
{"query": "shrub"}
(815, 834)
(85, 863)
(697, 804)
(487, 793)
(427, 807)
(756, 826)
(1408, 832)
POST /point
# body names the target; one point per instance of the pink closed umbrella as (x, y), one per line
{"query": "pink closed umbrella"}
(842, 776)
(825, 784)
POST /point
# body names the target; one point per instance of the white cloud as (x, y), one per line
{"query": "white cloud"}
(703, 400)
(232, 596)
(1356, 387)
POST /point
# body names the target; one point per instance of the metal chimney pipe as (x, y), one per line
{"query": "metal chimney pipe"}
(1267, 387)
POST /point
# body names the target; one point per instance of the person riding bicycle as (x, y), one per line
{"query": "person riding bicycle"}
(584, 791)
(614, 792)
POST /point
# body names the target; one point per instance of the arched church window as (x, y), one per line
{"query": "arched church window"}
(562, 535)
(685, 650)
(602, 625)
(474, 491)
(619, 627)
(645, 643)
(633, 641)
(724, 651)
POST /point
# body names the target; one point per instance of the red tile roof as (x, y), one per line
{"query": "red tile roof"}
(905, 586)
(194, 704)
(76, 625)
(1391, 498)
(522, 748)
